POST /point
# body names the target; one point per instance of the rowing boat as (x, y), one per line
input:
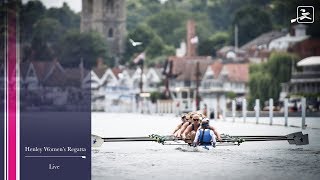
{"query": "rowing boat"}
(297, 138)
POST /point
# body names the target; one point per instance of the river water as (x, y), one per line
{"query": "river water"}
(150, 160)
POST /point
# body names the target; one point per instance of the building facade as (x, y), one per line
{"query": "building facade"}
(107, 17)
(306, 81)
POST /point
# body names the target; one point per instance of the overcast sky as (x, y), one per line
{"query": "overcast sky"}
(74, 4)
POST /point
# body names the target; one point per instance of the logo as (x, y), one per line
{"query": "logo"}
(305, 14)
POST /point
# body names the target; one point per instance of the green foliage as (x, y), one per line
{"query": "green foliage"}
(155, 47)
(67, 18)
(213, 43)
(266, 78)
(138, 10)
(256, 68)
(231, 95)
(87, 46)
(161, 27)
(313, 29)
(259, 87)
(166, 24)
(248, 19)
(41, 30)
(279, 65)
(222, 12)
(173, 29)
(30, 13)
(48, 29)
(282, 11)
(152, 44)
(154, 96)
(44, 40)
(151, 62)
(142, 33)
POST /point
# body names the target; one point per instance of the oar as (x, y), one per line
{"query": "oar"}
(217, 144)
(124, 138)
(294, 138)
(97, 141)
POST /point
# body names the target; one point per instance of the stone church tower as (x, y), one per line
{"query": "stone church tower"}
(107, 17)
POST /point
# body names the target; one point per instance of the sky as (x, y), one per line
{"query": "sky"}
(75, 5)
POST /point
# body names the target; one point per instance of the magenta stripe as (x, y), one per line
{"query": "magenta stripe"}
(12, 58)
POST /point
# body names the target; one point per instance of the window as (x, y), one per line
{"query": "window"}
(187, 83)
(110, 6)
(110, 33)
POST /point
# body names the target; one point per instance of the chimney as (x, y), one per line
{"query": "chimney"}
(191, 38)
(300, 30)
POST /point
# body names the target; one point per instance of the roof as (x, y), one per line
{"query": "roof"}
(237, 72)
(74, 76)
(216, 68)
(42, 68)
(56, 78)
(310, 61)
(226, 49)
(99, 71)
(263, 39)
(185, 67)
(285, 42)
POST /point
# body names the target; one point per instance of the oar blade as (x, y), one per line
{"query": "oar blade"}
(303, 140)
(96, 141)
(298, 138)
(292, 137)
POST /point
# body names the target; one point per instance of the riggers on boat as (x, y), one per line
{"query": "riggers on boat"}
(297, 138)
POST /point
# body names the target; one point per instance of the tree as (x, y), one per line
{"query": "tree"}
(142, 33)
(249, 21)
(282, 11)
(139, 10)
(259, 87)
(222, 12)
(213, 43)
(87, 46)
(265, 79)
(166, 24)
(67, 18)
(48, 29)
(30, 13)
(156, 47)
(46, 36)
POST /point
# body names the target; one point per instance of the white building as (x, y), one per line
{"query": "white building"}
(284, 42)
(115, 90)
(221, 79)
(305, 82)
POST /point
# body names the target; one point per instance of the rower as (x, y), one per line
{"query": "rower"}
(215, 132)
(204, 136)
(211, 127)
(178, 128)
(191, 130)
(185, 125)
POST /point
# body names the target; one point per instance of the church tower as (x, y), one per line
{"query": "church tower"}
(107, 17)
